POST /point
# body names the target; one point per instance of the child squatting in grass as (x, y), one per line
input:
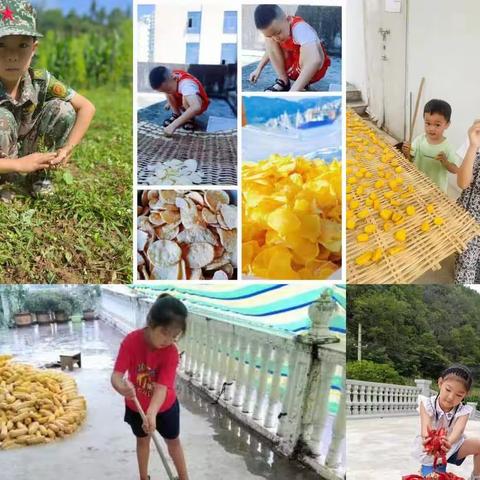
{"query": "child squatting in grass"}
(150, 359)
(293, 48)
(186, 96)
(36, 110)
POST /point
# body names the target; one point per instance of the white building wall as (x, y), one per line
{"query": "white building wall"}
(171, 34)
(354, 46)
(143, 36)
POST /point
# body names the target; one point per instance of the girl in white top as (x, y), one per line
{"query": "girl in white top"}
(447, 410)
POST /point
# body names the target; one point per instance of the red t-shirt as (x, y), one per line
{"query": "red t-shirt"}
(146, 367)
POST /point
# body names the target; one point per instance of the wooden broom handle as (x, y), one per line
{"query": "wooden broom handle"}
(417, 104)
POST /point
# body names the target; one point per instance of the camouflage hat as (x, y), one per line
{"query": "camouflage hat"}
(17, 17)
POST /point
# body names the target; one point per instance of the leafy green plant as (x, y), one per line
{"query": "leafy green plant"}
(373, 372)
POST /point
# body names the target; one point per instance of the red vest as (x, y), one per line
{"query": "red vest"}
(180, 75)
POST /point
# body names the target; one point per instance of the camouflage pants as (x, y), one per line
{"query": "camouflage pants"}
(49, 132)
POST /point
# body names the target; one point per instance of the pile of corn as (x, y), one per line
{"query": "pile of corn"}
(379, 201)
(36, 406)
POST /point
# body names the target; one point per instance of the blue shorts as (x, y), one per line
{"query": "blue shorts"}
(168, 422)
(453, 459)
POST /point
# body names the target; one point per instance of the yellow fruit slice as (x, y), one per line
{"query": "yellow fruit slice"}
(438, 221)
(351, 223)
(363, 213)
(377, 255)
(370, 228)
(386, 214)
(400, 235)
(430, 208)
(362, 237)
(425, 227)
(395, 250)
(410, 210)
(363, 259)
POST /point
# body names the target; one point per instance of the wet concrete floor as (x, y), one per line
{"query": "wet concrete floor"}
(216, 445)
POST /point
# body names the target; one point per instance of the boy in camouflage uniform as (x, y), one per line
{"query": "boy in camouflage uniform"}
(37, 111)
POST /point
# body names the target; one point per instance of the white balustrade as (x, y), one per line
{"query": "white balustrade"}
(370, 399)
(288, 388)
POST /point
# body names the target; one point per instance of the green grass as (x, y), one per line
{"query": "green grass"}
(83, 232)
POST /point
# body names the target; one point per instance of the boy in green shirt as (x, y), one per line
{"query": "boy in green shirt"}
(37, 111)
(431, 151)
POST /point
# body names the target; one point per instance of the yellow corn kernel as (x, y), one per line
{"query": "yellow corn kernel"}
(398, 169)
(386, 214)
(395, 203)
(377, 255)
(362, 237)
(352, 180)
(373, 196)
(368, 202)
(387, 226)
(430, 208)
(354, 204)
(389, 195)
(400, 235)
(425, 227)
(370, 228)
(376, 204)
(351, 223)
(396, 217)
(410, 210)
(399, 180)
(360, 190)
(379, 184)
(350, 214)
(363, 259)
(392, 184)
(363, 213)
(438, 221)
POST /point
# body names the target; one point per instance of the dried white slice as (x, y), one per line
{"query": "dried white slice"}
(208, 216)
(143, 223)
(170, 216)
(220, 275)
(196, 197)
(215, 198)
(189, 214)
(199, 255)
(219, 262)
(197, 234)
(168, 196)
(167, 232)
(164, 252)
(168, 272)
(229, 215)
(181, 203)
(221, 222)
(156, 218)
(228, 239)
(142, 239)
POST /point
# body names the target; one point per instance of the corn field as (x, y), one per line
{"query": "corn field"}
(89, 60)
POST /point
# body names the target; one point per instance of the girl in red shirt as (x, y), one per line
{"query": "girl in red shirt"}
(150, 359)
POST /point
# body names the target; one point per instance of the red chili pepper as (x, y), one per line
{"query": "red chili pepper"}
(433, 445)
(433, 476)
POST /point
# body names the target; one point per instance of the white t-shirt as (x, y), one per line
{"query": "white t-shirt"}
(303, 34)
(188, 87)
(440, 420)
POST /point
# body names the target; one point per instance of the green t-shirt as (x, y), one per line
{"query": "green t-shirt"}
(424, 157)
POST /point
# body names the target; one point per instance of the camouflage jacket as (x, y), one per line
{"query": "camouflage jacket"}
(37, 87)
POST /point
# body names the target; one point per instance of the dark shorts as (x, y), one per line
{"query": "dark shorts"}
(168, 422)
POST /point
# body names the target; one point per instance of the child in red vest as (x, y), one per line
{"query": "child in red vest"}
(150, 359)
(185, 95)
(293, 48)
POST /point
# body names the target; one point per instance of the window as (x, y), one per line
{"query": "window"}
(194, 21)
(230, 22)
(229, 53)
(193, 52)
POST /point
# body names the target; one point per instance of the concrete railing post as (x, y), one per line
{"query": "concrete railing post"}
(320, 313)
(474, 409)
(424, 386)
